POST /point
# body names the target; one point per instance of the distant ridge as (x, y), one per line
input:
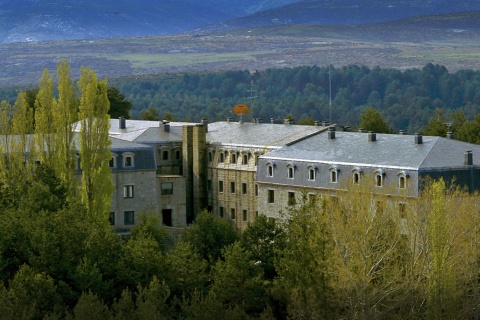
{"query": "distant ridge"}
(345, 12)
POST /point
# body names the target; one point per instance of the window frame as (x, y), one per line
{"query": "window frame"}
(128, 159)
(220, 186)
(128, 191)
(334, 170)
(163, 190)
(131, 217)
(270, 196)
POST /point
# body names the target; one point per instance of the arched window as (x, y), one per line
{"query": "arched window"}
(356, 174)
(128, 159)
(290, 170)
(233, 157)
(402, 179)
(311, 172)
(333, 174)
(221, 157)
(270, 165)
(379, 177)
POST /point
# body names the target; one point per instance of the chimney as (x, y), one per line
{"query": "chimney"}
(122, 123)
(272, 121)
(418, 138)
(402, 132)
(229, 119)
(316, 123)
(450, 136)
(372, 136)
(205, 123)
(166, 126)
(468, 158)
(331, 133)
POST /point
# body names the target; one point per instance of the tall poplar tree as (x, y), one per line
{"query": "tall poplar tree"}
(97, 186)
(64, 117)
(44, 126)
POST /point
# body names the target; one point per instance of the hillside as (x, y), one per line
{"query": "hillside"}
(345, 12)
(47, 20)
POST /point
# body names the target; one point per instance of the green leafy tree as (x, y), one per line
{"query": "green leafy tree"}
(119, 105)
(89, 306)
(44, 126)
(208, 235)
(150, 114)
(97, 186)
(372, 120)
(238, 280)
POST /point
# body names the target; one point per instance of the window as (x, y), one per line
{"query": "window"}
(245, 215)
(220, 186)
(210, 156)
(402, 179)
(270, 170)
(177, 154)
(232, 213)
(256, 190)
(233, 157)
(402, 183)
(128, 191)
(128, 217)
(311, 174)
(209, 185)
(356, 178)
(244, 188)
(291, 198)
(232, 187)
(245, 159)
(113, 161)
(256, 160)
(111, 218)
(165, 155)
(221, 212)
(271, 196)
(167, 217)
(333, 174)
(221, 157)
(128, 159)
(167, 188)
(290, 172)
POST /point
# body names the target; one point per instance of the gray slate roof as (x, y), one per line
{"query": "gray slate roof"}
(389, 150)
(257, 134)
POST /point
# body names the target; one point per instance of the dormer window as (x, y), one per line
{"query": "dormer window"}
(290, 170)
(113, 161)
(402, 179)
(245, 159)
(379, 177)
(233, 157)
(333, 174)
(128, 160)
(311, 172)
(356, 173)
(270, 166)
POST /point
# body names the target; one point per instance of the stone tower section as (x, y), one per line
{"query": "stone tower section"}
(194, 168)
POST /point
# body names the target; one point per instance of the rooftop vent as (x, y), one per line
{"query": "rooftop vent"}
(372, 136)
(450, 136)
(331, 133)
(468, 158)
(122, 123)
(166, 126)
(418, 138)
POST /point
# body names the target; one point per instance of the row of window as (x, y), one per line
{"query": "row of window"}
(356, 177)
(291, 200)
(233, 213)
(166, 155)
(233, 188)
(234, 157)
(128, 160)
(166, 188)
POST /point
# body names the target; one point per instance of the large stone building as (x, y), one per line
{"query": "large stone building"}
(240, 169)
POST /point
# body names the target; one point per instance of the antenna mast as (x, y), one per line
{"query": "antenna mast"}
(330, 86)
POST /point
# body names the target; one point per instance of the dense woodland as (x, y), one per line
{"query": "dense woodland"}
(407, 99)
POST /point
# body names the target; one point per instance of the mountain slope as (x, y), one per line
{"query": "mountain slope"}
(345, 12)
(44, 20)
